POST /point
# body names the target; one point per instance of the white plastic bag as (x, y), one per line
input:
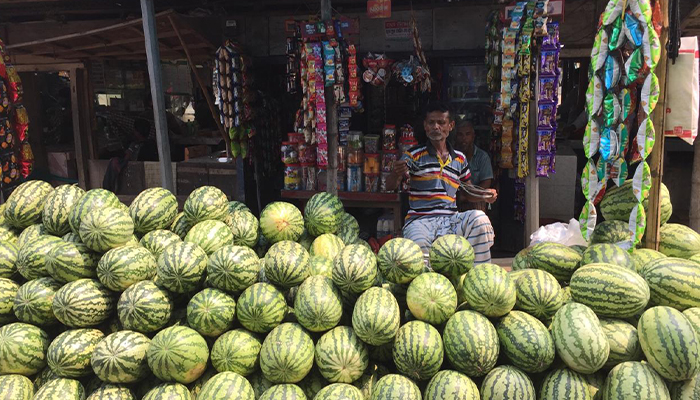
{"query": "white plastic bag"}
(682, 97)
(566, 234)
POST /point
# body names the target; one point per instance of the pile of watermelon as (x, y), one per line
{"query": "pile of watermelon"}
(103, 301)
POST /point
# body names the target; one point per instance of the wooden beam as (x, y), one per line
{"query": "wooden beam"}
(91, 46)
(88, 111)
(79, 143)
(532, 182)
(47, 67)
(331, 120)
(691, 17)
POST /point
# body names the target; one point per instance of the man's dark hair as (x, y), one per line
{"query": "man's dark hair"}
(438, 106)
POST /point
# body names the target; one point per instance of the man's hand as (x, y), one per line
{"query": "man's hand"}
(400, 168)
(494, 196)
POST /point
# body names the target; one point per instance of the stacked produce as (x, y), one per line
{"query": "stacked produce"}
(103, 301)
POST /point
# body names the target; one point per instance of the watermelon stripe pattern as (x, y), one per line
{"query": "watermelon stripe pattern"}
(341, 356)
(579, 338)
(612, 231)
(354, 269)
(431, 298)
(236, 351)
(623, 340)
(31, 259)
(61, 388)
(181, 267)
(393, 386)
(33, 301)
(244, 228)
(281, 221)
(507, 382)
(16, 387)
(111, 392)
(564, 384)
(418, 350)
(673, 282)
(525, 341)
(618, 202)
(69, 353)
(287, 354)
(488, 289)
(206, 203)
(451, 255)
(400, 260)
(634, 380)
(83, 303)
(144, 307)
(22, 349)
(8, 292)
(286, 391)
(67, 262)
(181, 225)
(287, 264)
(676, 240)
(156, 241)
(261, 307)
(122, 267)
(349, 228)
(610, 291)
(57, 209)
(608, 254)
(210, 235)
(233, 268)
(557, 259)
(8, 259)
(322, 214)
(25, 204)
(318, 306)
(106, 228)
(121, 357)
(471, 343)
(538, 293)
(339, 391)
(154, 208)
(227, 385)
(451, 385)
(178, 354)
(93, 198)
(174, 391)
(211, 312)
(375, 317)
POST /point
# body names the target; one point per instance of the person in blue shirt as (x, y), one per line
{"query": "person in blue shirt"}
(478, 160)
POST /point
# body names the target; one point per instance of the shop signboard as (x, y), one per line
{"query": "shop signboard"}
(379, 9)
(397, 30)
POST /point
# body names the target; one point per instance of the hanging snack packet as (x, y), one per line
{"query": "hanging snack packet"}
(591, 138)
(612, 11)
(546, 116)
(611, 71)
(625, 103)
(594, 96)
(611, 109)
(635, 67)
(616, 37)
(548, 85)
(633, 29)
(609, 145)
(650, 93)
(549, 61)
(600, 50)
(618, 171)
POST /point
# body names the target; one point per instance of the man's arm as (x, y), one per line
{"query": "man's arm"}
(393, 180)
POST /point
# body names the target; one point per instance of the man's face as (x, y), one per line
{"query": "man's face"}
(438, 125)
(464, 137)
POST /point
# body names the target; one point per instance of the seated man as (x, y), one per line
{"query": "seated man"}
(436, 172)
(478, 160)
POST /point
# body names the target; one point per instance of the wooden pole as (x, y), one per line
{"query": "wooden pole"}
(78, 138)
(154, 74)
(532, 183)
(657, 154)
(331, 120)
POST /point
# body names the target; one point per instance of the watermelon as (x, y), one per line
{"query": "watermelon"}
(169, 391)
(244, 228)
(488, 289)
(451, 255)
(595, 383)
(623, 340)
(618, 202)
(8, 259)
(507, 382)
(122, 267)
(181, 225)
(8, 234)
(354, 269)
(349, 228)
(579, 338)
(8, 292)
(538, 293)
(210, 235)
(525, 341)
(260, 384)
(196, 386)
(610, 291)
(121, 357)
(688, 390)
(69, 353)
(154, 208)
(227, 385)
(206, 203)
(67, 262)
(237, 351)
(261, 307)
(612, 231)
(431, 298)
(564, 384)
(31, 259)
(322, 214)
(471, 343)
(22, 349)
(673, 282)
(83, 303)
(669, 343)
(25, 204)
(376, 316)
(400, 260)
(521, 260)
(178, 354)
(451, 385)
(678, 240)
(327, 245)
(16, 387)
(318, 305)
(156, 241)
(368, 380)
(634, 380)
(33, 301)
(144, 307)
(557, 259)
(44, 376)
(281, 221)
(341, 356)
(61, 388)
(287, 264)
(233, 268)
(181, 267)
(211, 312)
(306, 240)
(323, 266)
(31, 232)
(608, 254)
(640, 257)
(285, 391)
(418, 350)
(287, 354)
(395, 387)
(94, 198)
(106, 228)
(340, 391)
(111, 392)
(693, 315)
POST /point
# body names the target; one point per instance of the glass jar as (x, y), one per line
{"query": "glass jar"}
(354, 183)
(371, 183)
(388, 159)
(355, 156)
(290, 153)
(292, 177)
(308, 174)
(371, 164)
(372, 144)
(355, 140)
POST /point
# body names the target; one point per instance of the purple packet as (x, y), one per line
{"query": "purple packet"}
(545, 140)
(546, 116)
(548, 86)
(549, 59)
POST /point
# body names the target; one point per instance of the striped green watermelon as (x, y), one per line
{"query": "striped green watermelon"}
(640, 257)
(260, 384)
(673, 282)
(122, 267)
(227, 385)
(237, 351)
(400, 260)
(144, 307)
(669, 343)
(327, 245)
(281, 221)
(693, 315)
(181, 225)
(354, 269)
(623, 340)
(312, 383)
(31, 259)
(595, 383)
(695, 258)
(111, 392)
(634, 380)
(8, 259)
(396, 387)
(431, 298)
(340, 391)
(31, 232)
(211, 312)
(376, 316)
(538, 293)
(322, 214)
(349, 228)
(154, 208)
(488, 289)
(67, 262)
(210, 235)
(287, 391)
(196, 386)
(181, 267)
(16, 387)
(22, 349)
(612, 231)
(471, 343)
(93, 198)
(341, 356)
(57, 209)
(607, 253)
(106, 228)
(206, 203)
(323, 266)
(25, 204)
(61, 388)
(318, 306)
(42, 377)
(618, 203)
(418, 350)
(368, 380)
(287, 354)
(69, 353)
(579, 338)
(178, 354)
(156, 241)
(579, 248)
(8, 292)
(244, 228)
(233, 268)
(525, 341)
(687, 390)
(507, 382)
(566, 295)
(83, 303)
(451, 385)
(557, 259)
(678, 240)
(522, 260)
(610, 291)
(566, 384)
(33, 301)
(9, 234)
(451, 255)
(261, 307)
(121, 357)
(234, 206)
(287, 264)
(305, 240)
(169, 391)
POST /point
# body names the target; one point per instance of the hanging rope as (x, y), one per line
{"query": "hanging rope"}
(674, 30)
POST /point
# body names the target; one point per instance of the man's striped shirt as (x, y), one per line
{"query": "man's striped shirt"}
(433, 191)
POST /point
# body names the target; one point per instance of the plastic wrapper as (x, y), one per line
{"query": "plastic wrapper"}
(645, 137)
(546, 116)
(371, 164)
(544, 165)
(372, 183)
(635, 67)
(307, 153)
(611, 110)
(354, 181)
(388, 159)
(10, 169)
(15, 90)
(548, 89)
(549, 60)
(545, 140)
(389, 138)
(618, 171)
(322, 155)
(650, 93)
(633, 30)
(617, 33)
(309, 176)
(594, 96)
(290, 153)
(371, 144)
(609, 145)
(292, 177)
(6, 135)
(611, 71)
